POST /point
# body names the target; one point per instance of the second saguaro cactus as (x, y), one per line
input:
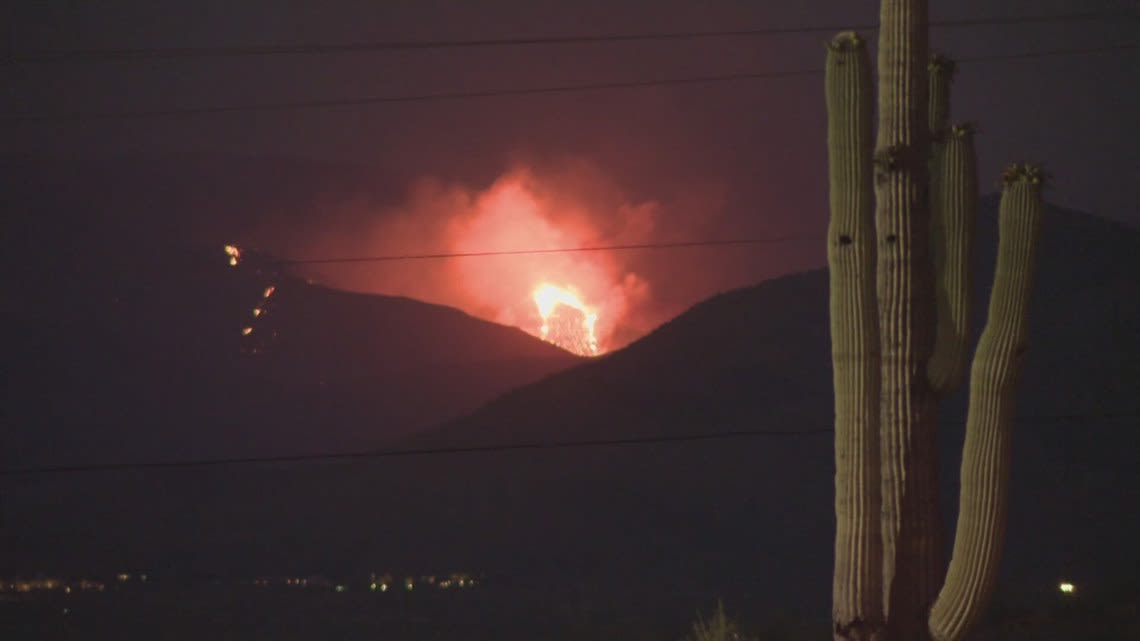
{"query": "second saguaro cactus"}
(899, 256)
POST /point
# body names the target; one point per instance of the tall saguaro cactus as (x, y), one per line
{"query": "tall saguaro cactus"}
(854, 335)
(899, 252)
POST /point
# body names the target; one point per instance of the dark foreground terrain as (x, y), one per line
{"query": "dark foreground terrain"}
(224, 611)
(217, 611)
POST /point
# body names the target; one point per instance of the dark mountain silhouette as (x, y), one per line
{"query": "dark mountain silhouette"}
(125, 336)
(759, 359)
(151, 363)
(662, 527)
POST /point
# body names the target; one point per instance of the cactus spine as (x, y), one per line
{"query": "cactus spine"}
(907, 346)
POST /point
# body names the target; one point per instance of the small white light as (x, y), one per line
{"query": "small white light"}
(1066, 587)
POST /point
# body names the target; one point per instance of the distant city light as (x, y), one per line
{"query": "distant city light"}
(1067, 588)
(381, 583)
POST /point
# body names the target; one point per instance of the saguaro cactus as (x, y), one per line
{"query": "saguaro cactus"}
(858, 595)
(900, 304)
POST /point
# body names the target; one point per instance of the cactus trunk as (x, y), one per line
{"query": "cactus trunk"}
(989, 425)
(857, 585)
(912, 529)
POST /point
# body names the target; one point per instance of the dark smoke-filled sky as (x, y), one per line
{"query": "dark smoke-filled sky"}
(730, 159)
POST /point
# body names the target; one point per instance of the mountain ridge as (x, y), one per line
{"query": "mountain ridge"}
(121, 347)
(661, 526)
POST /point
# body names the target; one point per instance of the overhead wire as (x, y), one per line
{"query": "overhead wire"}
(501, 93)
(479, 449)
(161, 53)
(724, 242)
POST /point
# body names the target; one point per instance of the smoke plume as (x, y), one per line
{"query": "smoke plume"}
(572, 206)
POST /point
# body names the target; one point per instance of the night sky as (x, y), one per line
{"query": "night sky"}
(741, 158)
(735, 159)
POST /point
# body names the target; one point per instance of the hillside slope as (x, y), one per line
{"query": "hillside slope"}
(661, 527)
(759, 359)
(124, 327)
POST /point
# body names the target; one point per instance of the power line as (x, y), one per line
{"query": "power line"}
(501, 93)
(1029, 55)
(475, 449)
(160, 53)
(430, 97)
(429, 451)
(520, 252)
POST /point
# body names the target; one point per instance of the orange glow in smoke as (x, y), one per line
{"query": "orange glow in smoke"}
(573, 299)
(520, 264)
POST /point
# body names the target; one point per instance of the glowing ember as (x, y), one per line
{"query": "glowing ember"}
(566, 321)
(234, 253)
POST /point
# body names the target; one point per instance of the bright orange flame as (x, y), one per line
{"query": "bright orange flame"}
(234, 253)
(574, 333)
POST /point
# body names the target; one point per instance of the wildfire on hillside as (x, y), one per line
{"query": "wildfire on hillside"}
(522, 251)
(259, 310)
(566, 321)
(234, 253)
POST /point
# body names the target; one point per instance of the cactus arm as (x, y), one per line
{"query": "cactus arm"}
(993, 380)
(940, 71)
(857, 610)
(911, 523)
(952, 194)
(952, 232)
